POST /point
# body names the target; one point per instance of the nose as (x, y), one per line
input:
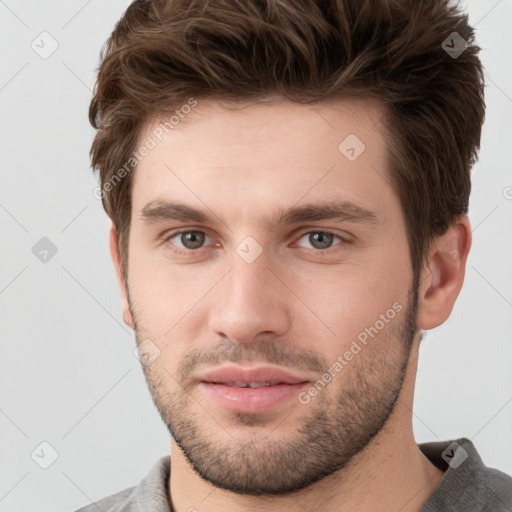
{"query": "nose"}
(250, 301)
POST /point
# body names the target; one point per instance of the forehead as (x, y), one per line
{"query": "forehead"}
(272, 153)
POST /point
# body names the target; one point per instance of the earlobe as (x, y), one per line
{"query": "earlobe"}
(443, 275)
(121, 280)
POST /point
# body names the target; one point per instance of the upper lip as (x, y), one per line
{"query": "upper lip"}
(259, 374)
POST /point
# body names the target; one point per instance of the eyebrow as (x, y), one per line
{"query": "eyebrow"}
(167, 210)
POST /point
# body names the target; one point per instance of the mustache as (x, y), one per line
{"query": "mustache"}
(271, 352)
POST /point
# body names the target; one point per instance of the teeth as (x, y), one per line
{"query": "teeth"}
(259, 384)
(250, 384)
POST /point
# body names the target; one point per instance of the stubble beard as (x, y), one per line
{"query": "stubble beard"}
(249, 460)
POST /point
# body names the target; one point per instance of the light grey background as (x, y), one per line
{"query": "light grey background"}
(68, 374)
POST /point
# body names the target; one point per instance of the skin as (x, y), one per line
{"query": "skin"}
(351, 447)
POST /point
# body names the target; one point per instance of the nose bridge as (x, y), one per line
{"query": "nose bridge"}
(250, 299)
(249, 277)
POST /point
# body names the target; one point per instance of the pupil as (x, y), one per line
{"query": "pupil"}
(323, 238)
(192, 239)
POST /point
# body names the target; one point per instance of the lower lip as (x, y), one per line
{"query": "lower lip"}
(251, 400)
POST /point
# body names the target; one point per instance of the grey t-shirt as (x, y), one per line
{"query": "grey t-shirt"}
(467, 485)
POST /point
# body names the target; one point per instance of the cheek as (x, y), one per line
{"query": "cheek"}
(166, 302)
(162, 290)
(349, 299)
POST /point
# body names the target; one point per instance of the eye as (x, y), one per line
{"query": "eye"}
(187, 242)
(321, 240)
(190, 240)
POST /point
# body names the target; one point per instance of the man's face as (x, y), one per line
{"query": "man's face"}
(322, 308)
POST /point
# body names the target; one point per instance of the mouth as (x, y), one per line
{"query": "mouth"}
(248, 384)
(251, 391)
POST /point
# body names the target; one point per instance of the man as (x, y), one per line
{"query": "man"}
(288, 184)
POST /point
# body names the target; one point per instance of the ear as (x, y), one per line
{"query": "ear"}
(121, 280)
(443, 274)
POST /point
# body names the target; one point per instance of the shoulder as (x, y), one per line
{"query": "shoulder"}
(495, 488)
(467, 484)
(123, 501)
(150, 495)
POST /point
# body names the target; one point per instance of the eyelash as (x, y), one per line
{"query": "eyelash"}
(189, 252)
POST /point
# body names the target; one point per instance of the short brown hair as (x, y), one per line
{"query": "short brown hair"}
(162, 52)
